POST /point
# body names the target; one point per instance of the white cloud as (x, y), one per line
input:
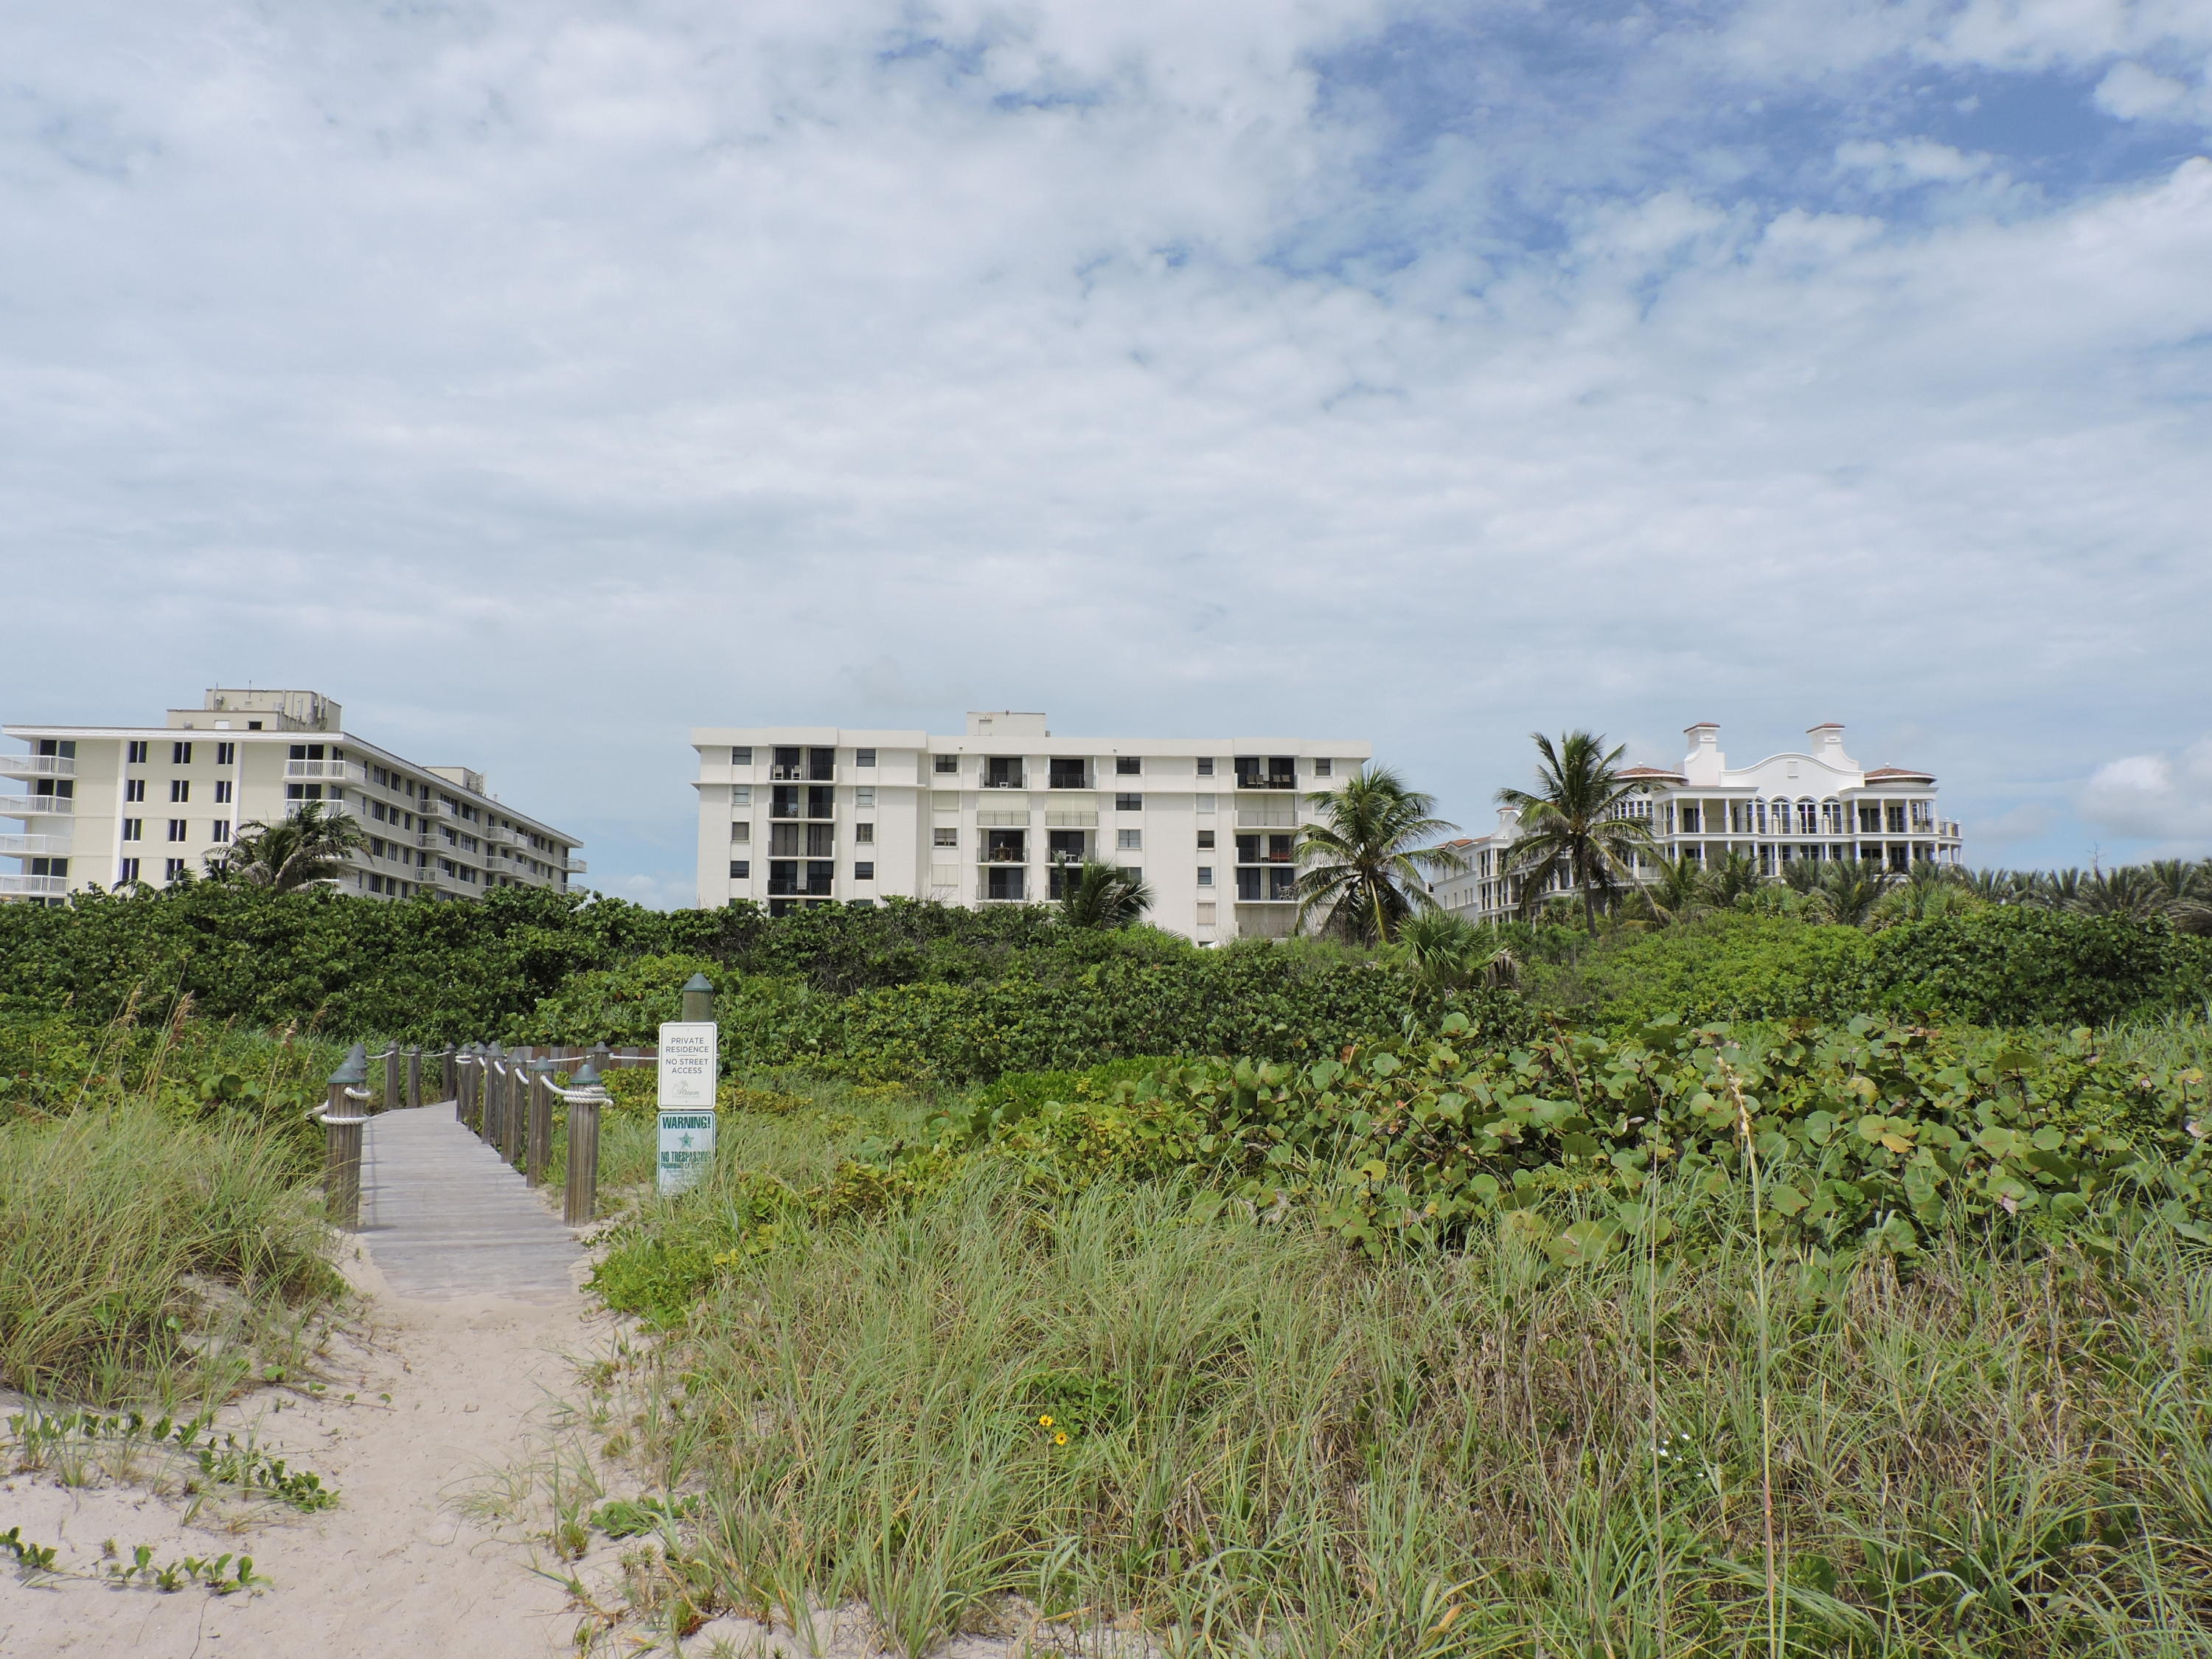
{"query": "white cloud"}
(610, 369)
(2163, 798)
(2130, 92)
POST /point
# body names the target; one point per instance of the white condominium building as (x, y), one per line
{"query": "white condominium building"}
(103, 806)
(1810, 803)
(798, 815)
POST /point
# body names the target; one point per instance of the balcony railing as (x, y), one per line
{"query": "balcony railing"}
(1266, 780)
(1271, 816)
(37, 766)
(1003, 855)
(1003, 820)
(37, 807)
(1069, 780)
(799, 809)
(575, 868)
(1067, 820)
(34, 886)
(802, 775)
(349, 771)
(26, 847)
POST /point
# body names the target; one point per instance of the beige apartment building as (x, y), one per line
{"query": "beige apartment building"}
(791, 815)
(1799, 805)
(106, 807)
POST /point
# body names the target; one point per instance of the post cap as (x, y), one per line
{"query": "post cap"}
(352, 1071)
(698, 982)
(494, 1051)
(587, 1077)
(358, 1052)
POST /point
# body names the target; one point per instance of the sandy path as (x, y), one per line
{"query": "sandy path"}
(396, 1569)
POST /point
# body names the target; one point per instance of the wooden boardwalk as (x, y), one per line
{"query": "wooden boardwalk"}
(443, 1215)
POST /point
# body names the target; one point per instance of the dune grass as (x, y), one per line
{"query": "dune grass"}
(1245, 1439)
(147, 1259)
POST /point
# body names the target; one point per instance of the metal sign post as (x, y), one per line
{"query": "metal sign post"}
(689, 1065)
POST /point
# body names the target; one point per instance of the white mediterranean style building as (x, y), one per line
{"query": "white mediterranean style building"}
(105, 807)
(1811, 804)
(791, 815)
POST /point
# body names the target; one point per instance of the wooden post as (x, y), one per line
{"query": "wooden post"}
(580, 1203)
(414, 1075)
(488, 1127)
(541, 1122)
(342, 1147)
(390, 1100)
(514, 1107)
(457, 1067)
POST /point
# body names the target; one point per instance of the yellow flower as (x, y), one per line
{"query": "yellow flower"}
(1060, 1439)
(1045, 1422)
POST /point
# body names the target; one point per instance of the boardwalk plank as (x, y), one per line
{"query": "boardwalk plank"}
(443, 1215)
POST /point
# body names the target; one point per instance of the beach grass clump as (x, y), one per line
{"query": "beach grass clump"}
(146, 1258)
(991, 1406)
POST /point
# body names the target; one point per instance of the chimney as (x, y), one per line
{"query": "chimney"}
(1827, 741)
(1705, 763)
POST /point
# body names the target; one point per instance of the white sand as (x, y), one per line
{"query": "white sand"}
(396, 1568)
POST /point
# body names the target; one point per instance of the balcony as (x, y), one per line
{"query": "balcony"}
(499, 835)
(1069, 775)
(344, 771)
(37, 766)
(575, 868)
(1267, 815)
(1017, 819)
(32, 886)
(35, 846)
(1003, 855)
(1066, 819)
(37, 807)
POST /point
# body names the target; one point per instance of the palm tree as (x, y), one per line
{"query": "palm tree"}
(1451, 953)
(308, 847)
(1803, 875)
(1366, 864)
(1732, 876)
(2188, 891)
(2127, 891)
(1852, 888)
(1573, 822)
(1996, 886)
(1679, 891)
(1095, 895)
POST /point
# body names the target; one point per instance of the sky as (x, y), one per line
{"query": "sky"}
(542, 381)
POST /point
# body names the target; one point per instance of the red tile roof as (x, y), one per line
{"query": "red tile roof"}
(1900, 772)
(1647, 772)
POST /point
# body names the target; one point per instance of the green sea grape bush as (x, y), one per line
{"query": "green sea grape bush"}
(1869, 1133)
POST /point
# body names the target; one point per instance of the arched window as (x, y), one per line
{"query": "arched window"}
(1832, 816)
(1808, 823)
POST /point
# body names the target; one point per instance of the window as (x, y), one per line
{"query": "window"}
(1128, 766)
(865, 834)
(1693, 818)
(222, 789)
(306, 752)
(864, 757)
(226, 754)
(741, 832)
(180, 754)
(134, 829)
(135, 751)
(741, 795)
(1206, 838)
(176, 828)
(1204, 804)
(945, 838)
(741, 869)
(1205, 766)
(1205, 875)
(253, 725)
(306, 791)
(864, 873)
(1128, 803)
(1128, 841)
(1323, 768)
(1808, 823)
(125, 870)
(865, 796)
(49, 866)
(1896, 818)
(741, 756)
(134, 788)
(945, 762)
(180, 789)
(172, 869)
